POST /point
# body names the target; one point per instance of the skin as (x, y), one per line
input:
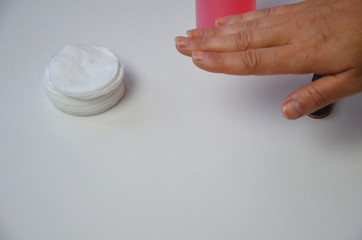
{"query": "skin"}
(313, 36)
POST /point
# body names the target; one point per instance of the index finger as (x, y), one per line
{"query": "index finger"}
(262, 61)
(258, 14)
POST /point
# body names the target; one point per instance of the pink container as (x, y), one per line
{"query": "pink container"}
(208, 10)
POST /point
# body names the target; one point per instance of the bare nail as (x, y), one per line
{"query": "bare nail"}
(198, 55)
(292, 110)
(183, 42)
(190, 33)
(196, 32)
(221, 20)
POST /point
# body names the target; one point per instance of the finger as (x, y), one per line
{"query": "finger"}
(236, 27)
(258, 14)
(242, 40)
(262, 61)
(321, 93)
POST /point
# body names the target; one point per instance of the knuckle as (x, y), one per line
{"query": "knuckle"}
(217, 31)
(316, 96)
(218, 61)
(253, 24)
(242, 40)
(297, 23)
(204, 42)
(267, 12)
(251, 60)
(307, 20)
(240, 17)
(307, 53)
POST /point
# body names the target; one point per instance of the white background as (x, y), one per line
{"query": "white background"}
(186, 155)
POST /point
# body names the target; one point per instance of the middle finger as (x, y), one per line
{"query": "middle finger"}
(259, 38)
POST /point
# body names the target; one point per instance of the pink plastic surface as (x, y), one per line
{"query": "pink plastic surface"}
(208, 10)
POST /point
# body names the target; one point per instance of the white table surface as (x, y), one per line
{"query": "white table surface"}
(186, 155)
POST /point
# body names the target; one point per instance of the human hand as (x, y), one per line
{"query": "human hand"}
(313, 36)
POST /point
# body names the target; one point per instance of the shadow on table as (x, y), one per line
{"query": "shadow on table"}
(261, 99)
(130, 83)
(346, 122)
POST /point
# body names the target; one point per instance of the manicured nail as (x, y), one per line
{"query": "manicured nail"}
(183, 42)
(198, 56)
(292, 110)
(221, 20)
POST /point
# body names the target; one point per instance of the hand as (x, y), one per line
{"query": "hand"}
(313, 36)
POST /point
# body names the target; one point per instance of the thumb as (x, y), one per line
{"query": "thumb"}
(321, 93)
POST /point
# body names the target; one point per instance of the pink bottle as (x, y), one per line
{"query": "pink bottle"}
(208, 10)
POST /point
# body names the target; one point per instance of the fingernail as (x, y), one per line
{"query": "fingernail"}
(183, 42)
(196, 33)
(198, 55)
(292, 110)
(221, 20)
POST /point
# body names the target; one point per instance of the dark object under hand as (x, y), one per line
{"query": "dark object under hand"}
(323, 112)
